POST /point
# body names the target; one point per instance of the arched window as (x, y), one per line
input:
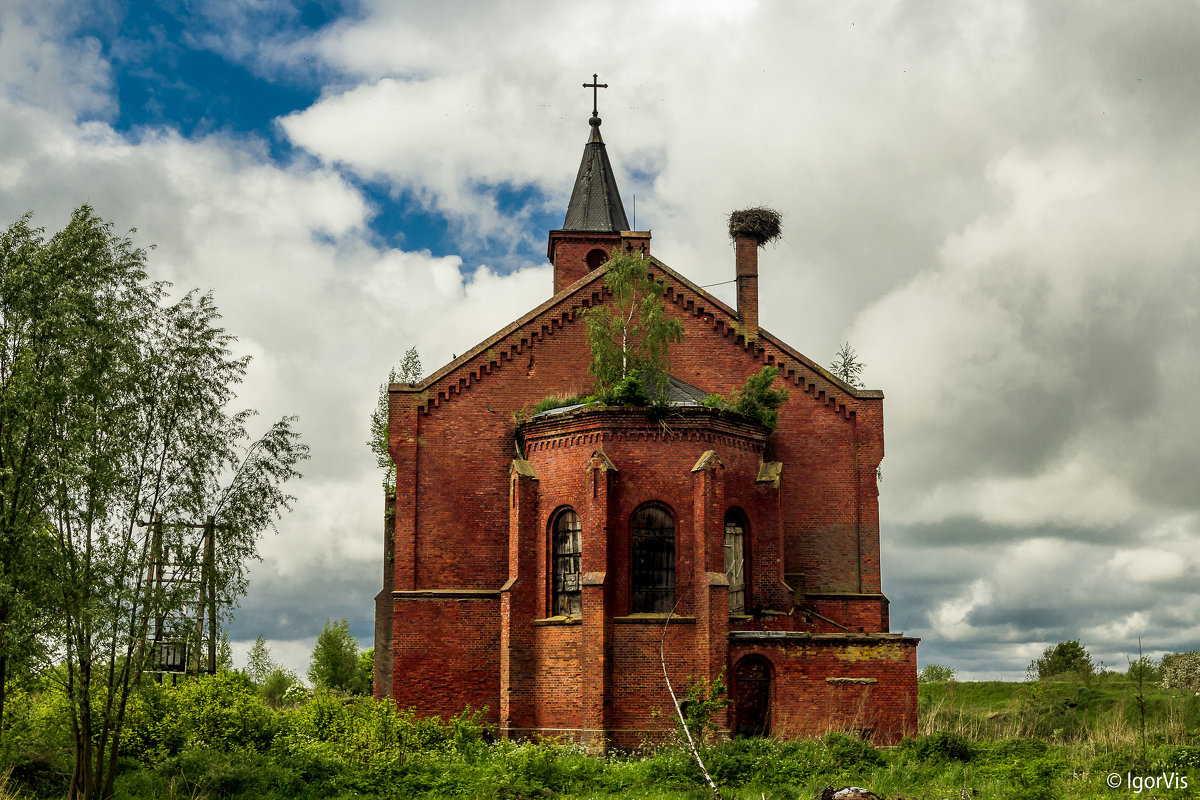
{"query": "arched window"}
(568, 558)
(595, 258)
(653, 561)
(735, 561)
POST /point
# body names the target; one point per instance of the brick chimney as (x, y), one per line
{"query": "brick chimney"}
(746, 263)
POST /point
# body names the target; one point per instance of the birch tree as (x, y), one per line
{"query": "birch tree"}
(630, 332)
(135, 423)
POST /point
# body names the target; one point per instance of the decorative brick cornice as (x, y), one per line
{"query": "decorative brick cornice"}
(592, 427)
(447, 594)
(825, 639)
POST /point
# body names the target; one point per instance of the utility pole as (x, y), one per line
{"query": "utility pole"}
(173, 656)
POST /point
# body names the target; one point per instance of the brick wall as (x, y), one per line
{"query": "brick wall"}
(453, 439)
(837, 683)
(446, 651)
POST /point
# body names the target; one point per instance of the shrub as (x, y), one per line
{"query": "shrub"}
(152, 731)
(935, 673)
(277, 684)
(850, 751)
(1143, 671)
(1182, 759)
(1181, 671)
(939, 747)
(756, 399)
(627, 391)
(704, 699)
(744, 761)
(224, 712)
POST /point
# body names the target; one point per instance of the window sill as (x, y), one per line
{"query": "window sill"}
(654, 619)
(558, 621)
(740, 618)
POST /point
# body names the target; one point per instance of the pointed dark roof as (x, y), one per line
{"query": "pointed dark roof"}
(595, 202)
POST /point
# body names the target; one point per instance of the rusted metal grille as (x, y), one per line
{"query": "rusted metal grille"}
(653, 561)
(735, 563)
(568, 558)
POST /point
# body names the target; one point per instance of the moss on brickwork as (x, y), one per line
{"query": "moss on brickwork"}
(885, 651)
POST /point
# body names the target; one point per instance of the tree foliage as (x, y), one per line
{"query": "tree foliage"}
(259, 663)
(846, 366)
(756, 399)
(1065, 658)
(935, 673)
(408, 372)
(335, 659)
(630, 332)
(366, 669)
(124, 398)
(275, 686)
(1181, 671)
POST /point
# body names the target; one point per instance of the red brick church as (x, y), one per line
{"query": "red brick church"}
(532, 563)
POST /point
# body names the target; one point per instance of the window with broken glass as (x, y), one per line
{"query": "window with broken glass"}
(568, 563)
(735, 561)
(653, 561)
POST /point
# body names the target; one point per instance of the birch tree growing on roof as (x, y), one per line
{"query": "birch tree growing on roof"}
(630, 332)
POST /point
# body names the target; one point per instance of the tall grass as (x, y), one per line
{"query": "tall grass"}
(1007, 741)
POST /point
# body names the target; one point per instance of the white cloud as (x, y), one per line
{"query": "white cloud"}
(1149, 566)
(994, 203)
(950, 619)
(299, 280)
(39, 68)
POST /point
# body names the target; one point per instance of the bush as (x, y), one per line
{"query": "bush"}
(1181, 671)
(703, 700)
(1143, 671)
(224, 712)
(627, 391)
(277, 684)
(744, 761)
(939, 748)
(935, 673)
(756, 399)
(850, 751)
(152, 731)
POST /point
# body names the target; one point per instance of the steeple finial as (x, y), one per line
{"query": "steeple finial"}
(595, 87)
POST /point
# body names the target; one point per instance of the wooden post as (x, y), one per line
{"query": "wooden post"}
(210, 589)
(156, 576)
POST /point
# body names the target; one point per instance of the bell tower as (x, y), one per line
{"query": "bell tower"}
(596, 221)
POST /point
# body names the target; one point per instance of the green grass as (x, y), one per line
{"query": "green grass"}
(1018, 741)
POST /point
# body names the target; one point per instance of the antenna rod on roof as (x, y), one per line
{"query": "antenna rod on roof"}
(635, 212)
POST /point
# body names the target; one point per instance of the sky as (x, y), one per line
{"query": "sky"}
(994, 202)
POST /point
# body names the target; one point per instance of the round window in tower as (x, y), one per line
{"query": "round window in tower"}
(596, 258)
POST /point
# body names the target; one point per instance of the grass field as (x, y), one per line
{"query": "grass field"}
(215, 738)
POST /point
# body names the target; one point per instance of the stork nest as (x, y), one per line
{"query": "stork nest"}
(759, 223)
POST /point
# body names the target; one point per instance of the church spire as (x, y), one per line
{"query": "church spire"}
(596, 224)
(595, 202)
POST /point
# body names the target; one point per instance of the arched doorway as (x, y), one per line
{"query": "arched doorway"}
(752, 697)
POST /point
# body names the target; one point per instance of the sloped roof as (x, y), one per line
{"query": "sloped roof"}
(567, 307)
(595, 202)
(678, 394)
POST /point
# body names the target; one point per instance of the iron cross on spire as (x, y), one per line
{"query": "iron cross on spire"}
(595, 87)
